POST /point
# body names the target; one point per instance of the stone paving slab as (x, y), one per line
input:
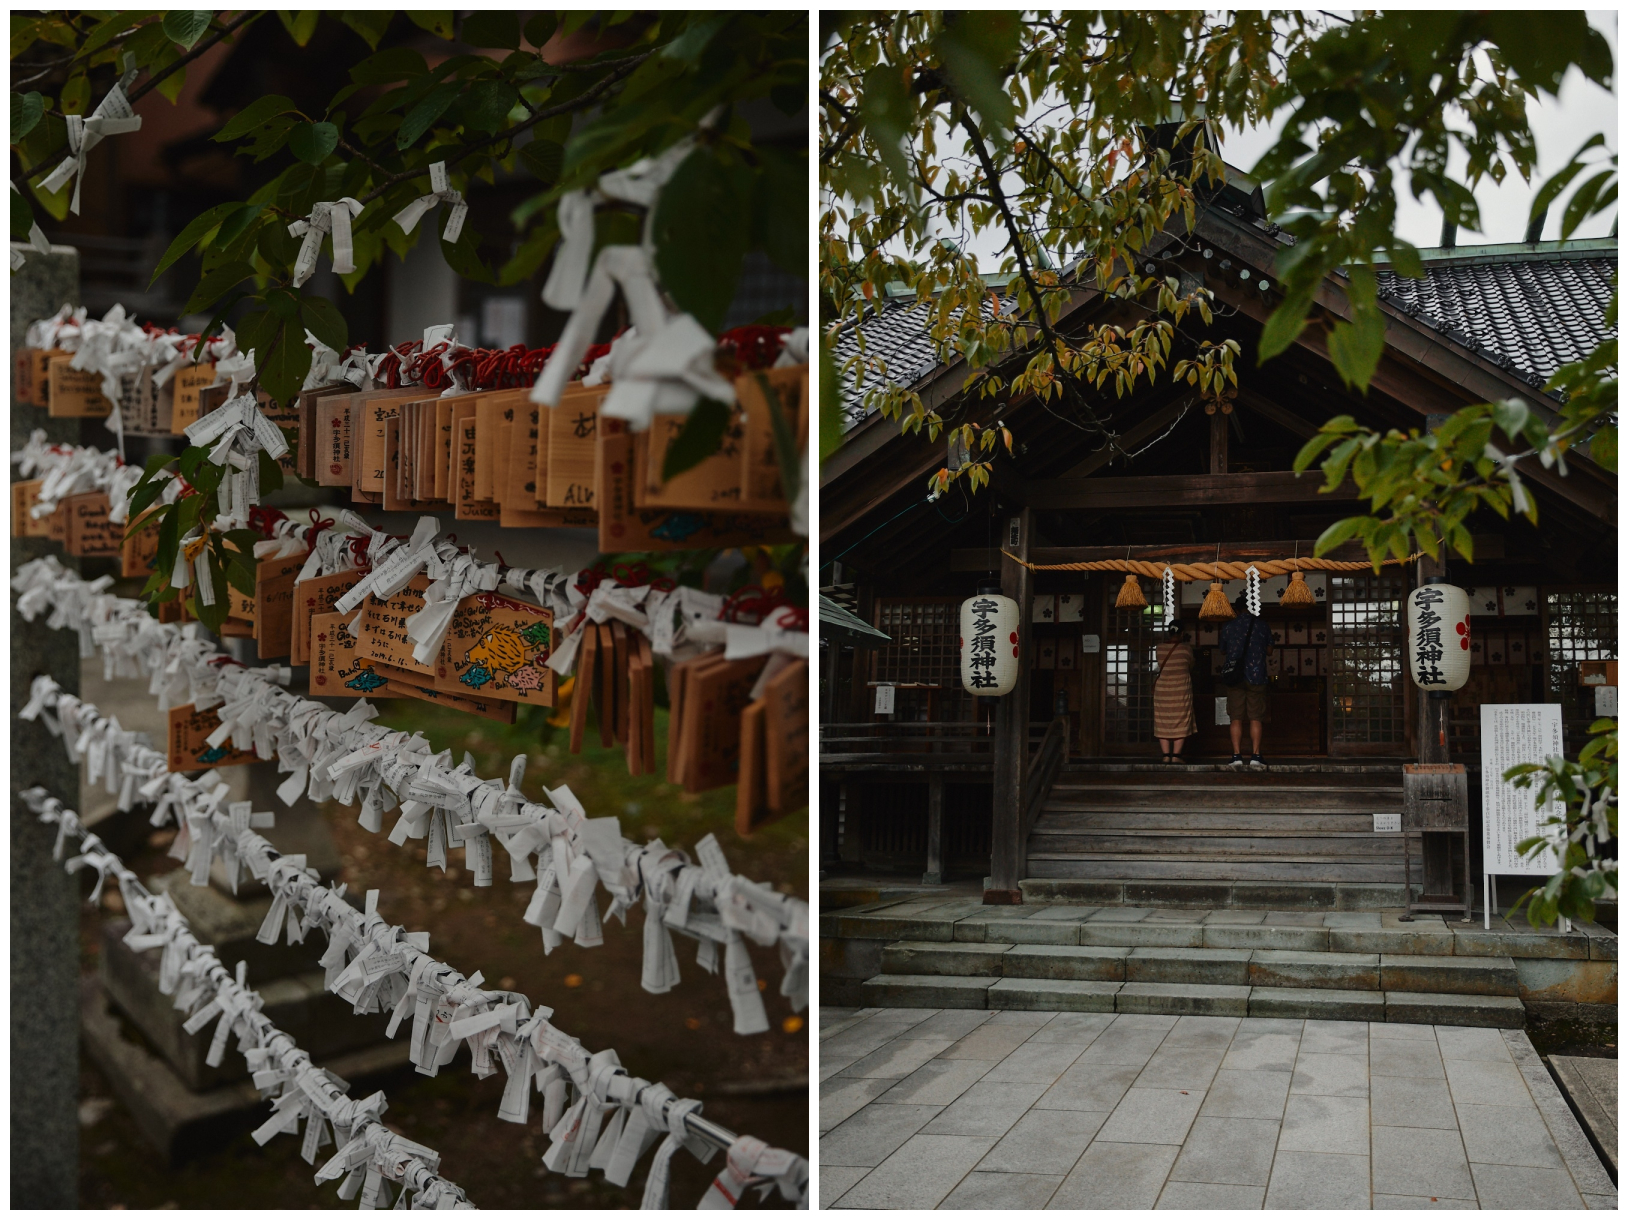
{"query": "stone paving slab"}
(1030, 1106)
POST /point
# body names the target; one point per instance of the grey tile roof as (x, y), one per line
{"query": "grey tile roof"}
(1529, 316)
(898, 349)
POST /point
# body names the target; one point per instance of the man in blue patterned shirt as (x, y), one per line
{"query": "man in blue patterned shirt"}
(1246, 639)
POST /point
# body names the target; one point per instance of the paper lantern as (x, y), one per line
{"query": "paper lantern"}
(989, 644)
(1439, 637)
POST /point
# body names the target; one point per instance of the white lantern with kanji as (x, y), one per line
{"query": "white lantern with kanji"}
(989, 644)
(1439, 637)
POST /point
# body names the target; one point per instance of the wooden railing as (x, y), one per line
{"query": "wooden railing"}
(1048, 760)
(918, 737)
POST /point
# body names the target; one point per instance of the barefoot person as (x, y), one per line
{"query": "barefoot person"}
(1244, 642)
(1173, 721)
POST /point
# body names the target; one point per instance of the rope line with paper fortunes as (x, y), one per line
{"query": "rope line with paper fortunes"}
(346, 758)
(596, 1115)
(1219, 570)
(370, 1154)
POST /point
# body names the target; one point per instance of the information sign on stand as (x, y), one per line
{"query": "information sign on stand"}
(1513, 734)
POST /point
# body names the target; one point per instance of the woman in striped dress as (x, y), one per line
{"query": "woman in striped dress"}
(1173, 720)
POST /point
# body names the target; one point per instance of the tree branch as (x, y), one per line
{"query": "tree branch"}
(226, 31)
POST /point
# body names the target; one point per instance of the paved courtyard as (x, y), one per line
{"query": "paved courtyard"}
(974, 1109)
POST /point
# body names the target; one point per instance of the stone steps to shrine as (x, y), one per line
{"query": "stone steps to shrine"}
(1349, 965)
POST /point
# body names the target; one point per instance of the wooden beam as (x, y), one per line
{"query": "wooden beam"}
(1133, 436)
(1184, 491)
(1282, 417)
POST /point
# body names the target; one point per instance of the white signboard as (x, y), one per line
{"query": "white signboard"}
(884, 701)
(1387, 823)
(1512, 734)
(1605, 701)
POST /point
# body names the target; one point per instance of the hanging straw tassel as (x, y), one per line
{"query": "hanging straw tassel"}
(1216, 608)
(1298, 593)
(1130, 594)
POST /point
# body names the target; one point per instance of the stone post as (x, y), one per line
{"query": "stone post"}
(44, 899)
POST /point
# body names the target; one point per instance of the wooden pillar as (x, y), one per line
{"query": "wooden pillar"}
(935, 830)
(1218, 441)
(1436, 849)
(1011, 744)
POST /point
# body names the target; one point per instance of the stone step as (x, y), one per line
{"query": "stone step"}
(1190, 999)
(1206, 963)
(1203, 798)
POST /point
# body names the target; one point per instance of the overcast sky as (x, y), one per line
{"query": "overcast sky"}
(1559, 126)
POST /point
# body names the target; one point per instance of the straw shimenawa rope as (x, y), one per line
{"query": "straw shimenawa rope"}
(1219, 570)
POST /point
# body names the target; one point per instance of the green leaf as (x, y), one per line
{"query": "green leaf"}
(464, 256)
(139, 501)
(312, 142)
(369, 24)
(323, 319)
(197, 230)
(236, 224)
(22, 216)
(702, 226)
(1511, 415)
(76, 94)
(217, 284)
(27, 109)
(487, 105)
(185, 27)
(271, 474)
(256, 114)
(540, 29)
(975, 48)
(283, 368)
(545, 159)
(1334, 535)
(396, 63)
(422, 116)
(1355, 347)
(300, 25)
(1602, 447)
(699, 31)
(436, 21)
(700, 438)
(782, 221)
(488, 28)
(1282, 328)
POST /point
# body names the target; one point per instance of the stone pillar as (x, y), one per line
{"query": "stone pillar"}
(44, 899)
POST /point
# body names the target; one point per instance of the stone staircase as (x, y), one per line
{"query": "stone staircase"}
(1307, 824)
(1340, 965)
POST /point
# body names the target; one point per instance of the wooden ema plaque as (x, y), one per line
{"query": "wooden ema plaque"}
(497, 648)
(24, 496)
(189, 382)
(516, 509)
(715, 694)
(566, 464)
(144, 408)
(274, 604)
(492, 412)
(623, 526)
(287, 419)
(785, 740)
(488, 709)
(394, 452)
(337, 672)
(33, 375)
(331, 457)
(90, 533)
(56, 525)
(76, 393)
(313, 597)
(761, 489)
(308, 436)
(381, 632)
(139, 550)
(189, 748)
(713, 483)
(467, 505)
